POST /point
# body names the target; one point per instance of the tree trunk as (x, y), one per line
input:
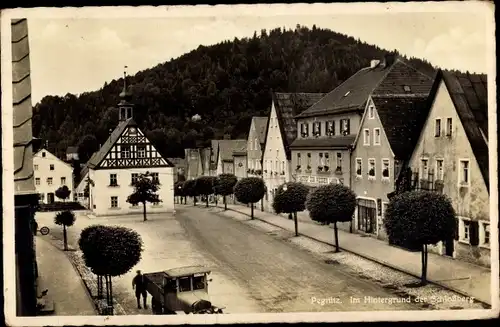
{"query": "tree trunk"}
(296, 223)
(290, 216)
(350, 227)
(225, 202)
(216, 200)
(262, 205)
(335, 230)
(111, 296)
(144, 211)
(423, 279)
(65, 238)
(251, 209)
(194, 201)
(207, 201)
(99, 287)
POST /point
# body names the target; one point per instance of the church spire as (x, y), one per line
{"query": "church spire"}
(125, 107)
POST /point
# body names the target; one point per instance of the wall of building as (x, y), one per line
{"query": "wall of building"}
(377, 187)
(470, 202)
(354, 121)
(101, 193)
(62, 170)
(274, 159)
(254, 150)
(316, 177)
(240, 166)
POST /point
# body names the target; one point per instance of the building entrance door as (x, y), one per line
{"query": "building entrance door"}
(50, 198)
(367, 216)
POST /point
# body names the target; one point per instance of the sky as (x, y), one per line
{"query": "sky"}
(77, 51)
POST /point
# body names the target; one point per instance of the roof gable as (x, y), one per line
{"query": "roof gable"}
(51, 156)
(228, 147)
(260, 125)
(469, 95)
(288, 106)
(404, 80)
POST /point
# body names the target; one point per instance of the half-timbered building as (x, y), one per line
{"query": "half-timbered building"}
(108, 177)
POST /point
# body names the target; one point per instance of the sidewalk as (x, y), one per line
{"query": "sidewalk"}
(459, 276)
(64, 285)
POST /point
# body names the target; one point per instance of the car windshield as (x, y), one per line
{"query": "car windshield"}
(184, 284)
(199, 282)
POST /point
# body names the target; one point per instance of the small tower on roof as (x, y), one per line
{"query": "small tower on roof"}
(125, 107)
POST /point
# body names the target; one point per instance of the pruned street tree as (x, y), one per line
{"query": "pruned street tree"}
(291, 198)
(331, 203)
(145, 189)
(224, 185)
(63, 192)
(250, 190)
(420, 218)
(110, 251)
(205, 186)
(190, 189)
(179, 191)
(65, 219)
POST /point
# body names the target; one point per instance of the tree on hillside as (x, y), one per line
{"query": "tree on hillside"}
(110, 251)
(331, 203)
(205, 186)
(250, 190)
(190, 189)
(145, 189)
(87, 146)
(65, 219)
(291, 198)
(63, 192)
(179, 191)
(421, 218)
(224, 185)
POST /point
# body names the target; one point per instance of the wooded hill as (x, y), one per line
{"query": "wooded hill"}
(226, 84)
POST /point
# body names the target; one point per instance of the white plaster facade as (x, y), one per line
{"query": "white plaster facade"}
(276, 167)
(50, 173)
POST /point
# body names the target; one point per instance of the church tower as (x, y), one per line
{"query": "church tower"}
(125, 107)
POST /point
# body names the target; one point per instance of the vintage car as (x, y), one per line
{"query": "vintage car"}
(180, 290)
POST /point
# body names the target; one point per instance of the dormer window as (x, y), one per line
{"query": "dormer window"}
(347, 93)
(371, 113)
(43, 154)
(407, 88)
(345, 126)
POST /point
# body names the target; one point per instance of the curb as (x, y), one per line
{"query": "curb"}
(383, 263)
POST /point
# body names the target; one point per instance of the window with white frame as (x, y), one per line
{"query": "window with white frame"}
(327, 159)
(464, 230)
(424, 167)
(449, 126)
(141, 151)
(345, 126)
(113, 180)
(366, 137)
(114, 202)
(437, 127)
(155, 178)
(63, 180)
(309, 159)
(51, 167)
(35, 167)
(37, 181)
(125, 151)
(484, 234)
(440, 169)
(282, 167)
(320, 159)
(371, 112)
(276, 165)
(49, 181)
(385, 168)
(339, 161)
(371, 168)
(464, 172)
(359, 167)
(299, 160)
(134, 177)
(376, 136)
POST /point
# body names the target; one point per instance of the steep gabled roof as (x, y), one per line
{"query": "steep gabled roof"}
(226, 148)
(53, 155)
(383, 79)
(289, 105)
(402, 119)
(470, 98)
(260, 124)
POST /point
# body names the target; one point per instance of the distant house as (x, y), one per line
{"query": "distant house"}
(393, 118)
(240, 159)
(214, 150)
(51, 173)
(107, 179)
(281, 131)
(451, 157)
(255, 144)
(180, 168)
(225, 159)
(194, 162)
(72, 153)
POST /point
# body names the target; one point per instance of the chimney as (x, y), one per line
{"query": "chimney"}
(110, 131)
(388, 60)
(374, 63)
(227, 137)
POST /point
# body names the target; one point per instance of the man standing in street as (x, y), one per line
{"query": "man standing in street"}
(139, 284)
